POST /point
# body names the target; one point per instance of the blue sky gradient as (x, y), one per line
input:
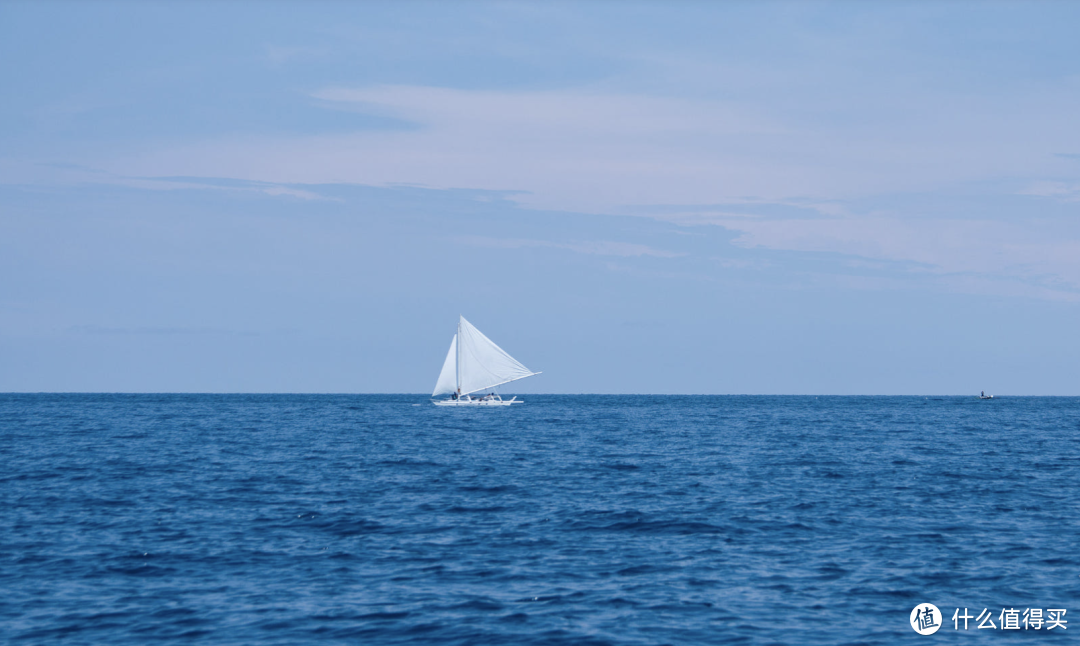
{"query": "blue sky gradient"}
(841, 198)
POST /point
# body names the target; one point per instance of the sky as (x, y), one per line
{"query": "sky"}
(677, 197)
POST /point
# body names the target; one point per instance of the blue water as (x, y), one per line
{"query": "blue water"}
(139, 519)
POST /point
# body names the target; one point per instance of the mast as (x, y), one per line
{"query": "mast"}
(457, 359)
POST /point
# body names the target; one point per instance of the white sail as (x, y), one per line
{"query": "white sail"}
(447, 383)
(480, 363)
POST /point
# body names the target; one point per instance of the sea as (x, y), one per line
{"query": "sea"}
(382, 519)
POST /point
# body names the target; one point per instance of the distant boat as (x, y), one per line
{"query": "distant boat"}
(983, 395)
(473, 365)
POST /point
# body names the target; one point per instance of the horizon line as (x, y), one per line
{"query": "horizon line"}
(421, 395)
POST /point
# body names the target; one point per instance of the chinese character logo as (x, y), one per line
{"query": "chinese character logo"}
(926, 619)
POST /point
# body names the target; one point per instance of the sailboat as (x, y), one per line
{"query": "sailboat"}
(475, 364)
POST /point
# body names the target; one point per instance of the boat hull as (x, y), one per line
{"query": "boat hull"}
(475, 402)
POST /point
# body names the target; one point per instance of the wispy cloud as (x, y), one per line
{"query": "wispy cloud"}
(605, 151)
(158, 331)
(1061, 190)
(597, 248)
(966, 251)
(67, 173)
